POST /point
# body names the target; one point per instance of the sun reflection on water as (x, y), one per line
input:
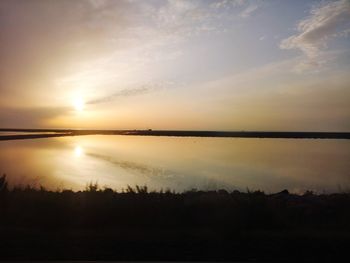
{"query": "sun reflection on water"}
(78, 151)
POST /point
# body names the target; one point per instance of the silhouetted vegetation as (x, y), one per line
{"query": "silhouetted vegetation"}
(138, 224)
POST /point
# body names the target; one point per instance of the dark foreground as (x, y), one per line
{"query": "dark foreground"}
(195, 225)
(46, 133)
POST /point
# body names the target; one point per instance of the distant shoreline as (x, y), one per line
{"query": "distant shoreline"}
(43, 133)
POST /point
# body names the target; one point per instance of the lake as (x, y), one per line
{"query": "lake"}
(178, 163)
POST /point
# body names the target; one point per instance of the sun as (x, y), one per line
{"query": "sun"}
(78, 104)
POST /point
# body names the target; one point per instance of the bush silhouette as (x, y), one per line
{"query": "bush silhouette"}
(3, 183)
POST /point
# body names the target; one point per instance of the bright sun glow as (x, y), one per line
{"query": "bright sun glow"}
(79, 104)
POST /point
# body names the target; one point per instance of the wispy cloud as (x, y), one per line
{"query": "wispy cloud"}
(133, 91)
(184, 18)
(249, 7)
(227, 4)
(326, 21)
(120, 93)
(248, 11)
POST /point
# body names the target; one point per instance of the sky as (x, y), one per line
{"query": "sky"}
(183, 65)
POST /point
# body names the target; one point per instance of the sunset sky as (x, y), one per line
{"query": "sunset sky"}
(199, 65)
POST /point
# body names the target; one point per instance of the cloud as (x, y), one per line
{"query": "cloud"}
(227, 4)
(29, 117)
(113, 38)
(327, 21)
(249, 7)
(248, 11)
(121, 93)
(185, 19)
(40, 40)
(134, 91)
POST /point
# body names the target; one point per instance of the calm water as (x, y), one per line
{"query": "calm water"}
(178, 163)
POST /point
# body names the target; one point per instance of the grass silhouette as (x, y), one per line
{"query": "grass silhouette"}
(138, 224)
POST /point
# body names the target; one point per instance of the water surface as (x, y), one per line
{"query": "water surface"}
(178, 163)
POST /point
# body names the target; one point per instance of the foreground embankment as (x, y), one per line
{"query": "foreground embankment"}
(196, 225)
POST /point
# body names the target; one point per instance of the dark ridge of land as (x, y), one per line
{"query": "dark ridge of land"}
(40, 133)
(101, 224)
(31, 136)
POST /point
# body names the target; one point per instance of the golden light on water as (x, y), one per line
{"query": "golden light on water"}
(78, 151)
